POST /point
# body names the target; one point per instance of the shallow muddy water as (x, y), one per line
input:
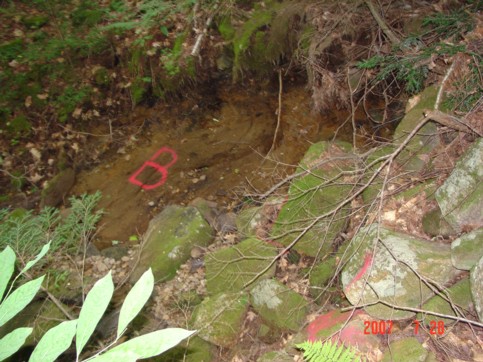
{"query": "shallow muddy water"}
(216, 153)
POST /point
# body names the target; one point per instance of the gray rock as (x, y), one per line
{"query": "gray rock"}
(278, 305)
(169, 239)
(219, 318)
(390, 274)
(467, 250)
(229, 269)
(461, 196)
(476, 279)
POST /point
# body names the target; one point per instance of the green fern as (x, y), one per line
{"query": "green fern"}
(327, 352)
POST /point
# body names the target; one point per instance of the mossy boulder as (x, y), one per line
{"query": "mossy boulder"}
(248, 221)
(372, 191)
(57, 188)
(467, 250)
(320, 275)
(383, 267)
(405, 350)
(275, 356)
(461, 195)
(41, 315)
(459, 294)
(169, 239)
(229, 269)
(314, 194)
(425, 140)
(476, 280)
(219, 318)
(434, 224)
(195, 349)
(279, 305)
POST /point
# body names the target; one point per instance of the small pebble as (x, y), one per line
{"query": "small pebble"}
(151, 203)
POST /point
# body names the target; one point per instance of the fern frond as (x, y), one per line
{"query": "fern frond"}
(327, 352)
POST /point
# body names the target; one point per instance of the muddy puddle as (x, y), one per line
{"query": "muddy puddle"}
(215, 152)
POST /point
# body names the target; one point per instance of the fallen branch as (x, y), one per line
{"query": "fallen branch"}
(449, 121)
(388, 32)
(279, 113)
(196, 48)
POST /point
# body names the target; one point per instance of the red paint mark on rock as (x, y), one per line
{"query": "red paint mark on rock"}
(328, 321)
(363, 270)
(161, 169)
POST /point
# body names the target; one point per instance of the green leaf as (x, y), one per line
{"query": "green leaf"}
(135, 300)
(19, 299)
(7, 264)
(31, 263)
(148, 345)
(94, 307)
(54, 342)
(164, 30)
(12, 342)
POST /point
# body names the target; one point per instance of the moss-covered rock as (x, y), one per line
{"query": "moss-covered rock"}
(228, 270)
(278, 305)
(320, 275)
(372, 191)
(461, 196)
(467, 250)
(476, 280)
(57, 188)
(41, 315)
(459, 294)
(383, 267)
(169, 239)
(275, 356)
(195, 349)
(219, 318)
(249, 220)
(434, 224)
(425, 140)
(405, 350)
(312, 195)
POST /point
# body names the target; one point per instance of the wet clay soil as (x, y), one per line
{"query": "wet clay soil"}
(220, 152)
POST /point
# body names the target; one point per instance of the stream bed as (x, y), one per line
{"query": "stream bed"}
(215, 152)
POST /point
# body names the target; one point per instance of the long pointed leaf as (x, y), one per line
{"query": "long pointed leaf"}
(54, 342)
(7, 264)
(94, 307)
(12, 342)
(40, 255)
(19, 299)
(145, 346)
(135, 300)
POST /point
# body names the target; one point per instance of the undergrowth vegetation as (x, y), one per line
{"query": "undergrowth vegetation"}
(26, 233)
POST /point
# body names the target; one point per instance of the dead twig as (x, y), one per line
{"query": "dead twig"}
(279, 112)
(388, 32)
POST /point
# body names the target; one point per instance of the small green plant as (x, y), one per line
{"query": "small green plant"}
(327, 352)
(26, 233)
(59, 338)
